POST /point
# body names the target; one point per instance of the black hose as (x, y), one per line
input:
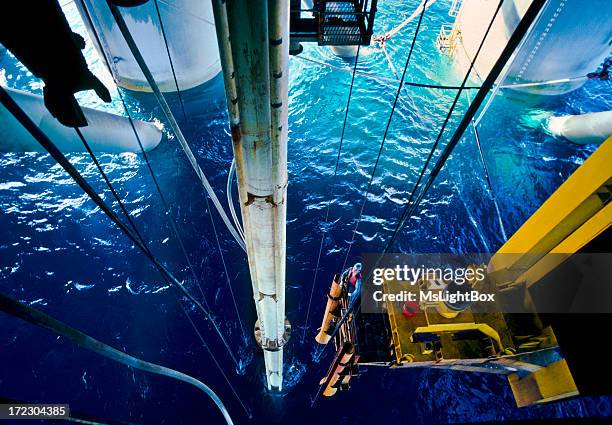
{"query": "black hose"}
(38, 318)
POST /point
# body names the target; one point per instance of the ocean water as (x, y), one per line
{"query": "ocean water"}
(61, 254)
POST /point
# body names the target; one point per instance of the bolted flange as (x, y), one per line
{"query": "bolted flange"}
(272, 344)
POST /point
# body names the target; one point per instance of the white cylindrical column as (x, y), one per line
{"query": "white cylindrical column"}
(190, 29)
(105, 132)
(583, 129)
(570, 39)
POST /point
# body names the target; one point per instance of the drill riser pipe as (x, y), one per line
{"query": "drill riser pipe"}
(260, 56)
(227, 63)
(278, 33)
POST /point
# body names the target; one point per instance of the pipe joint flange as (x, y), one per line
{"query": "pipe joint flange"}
(272, 344)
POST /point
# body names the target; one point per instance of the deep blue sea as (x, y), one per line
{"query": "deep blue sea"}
(61, 254)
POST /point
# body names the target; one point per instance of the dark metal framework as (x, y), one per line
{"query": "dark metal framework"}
(333, 23)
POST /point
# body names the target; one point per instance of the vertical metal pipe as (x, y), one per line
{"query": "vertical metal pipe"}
(279, 82)
(227, 63)
(231, 93)
(259, 51)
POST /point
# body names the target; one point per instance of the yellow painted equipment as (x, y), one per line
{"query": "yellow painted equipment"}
(483, 328)
(577, 214)
(546, 384)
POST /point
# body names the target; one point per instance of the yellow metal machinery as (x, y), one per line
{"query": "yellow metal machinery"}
(576, 213)
(535, 351)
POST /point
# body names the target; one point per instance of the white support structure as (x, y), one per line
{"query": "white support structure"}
(188, 27)
(105, 132)
(255, 66)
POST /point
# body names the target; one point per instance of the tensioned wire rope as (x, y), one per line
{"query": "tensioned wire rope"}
(485, 169)
(425, 166)
(323, 227)
(167, 112)
(467, 118)
(168, 211)
(133, 225)
(397, 95)
(384, 138)
(170, 218)
(56, 154)
(20, 115)
(444, 86)
(212, 221)
(383, 78)
(59, 157)
(521, 29)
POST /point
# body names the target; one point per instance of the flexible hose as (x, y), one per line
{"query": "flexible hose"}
(38, 318)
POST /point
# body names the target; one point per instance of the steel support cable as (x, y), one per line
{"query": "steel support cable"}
(171, 120)
(384, 138)
(487, 175)
(168, 211)
(38, 318)
(206, 346)
(446, 87)
(324, 230)
(506, 71)
(519, 32)
(170, 218)
(125, 212)
(227, 276)
(397, 95)
(212, 221)
(191, 322)
(56, 154)
(165, 204)
(163, 31)
(382, 78)
(357, 296)
(110, 187)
